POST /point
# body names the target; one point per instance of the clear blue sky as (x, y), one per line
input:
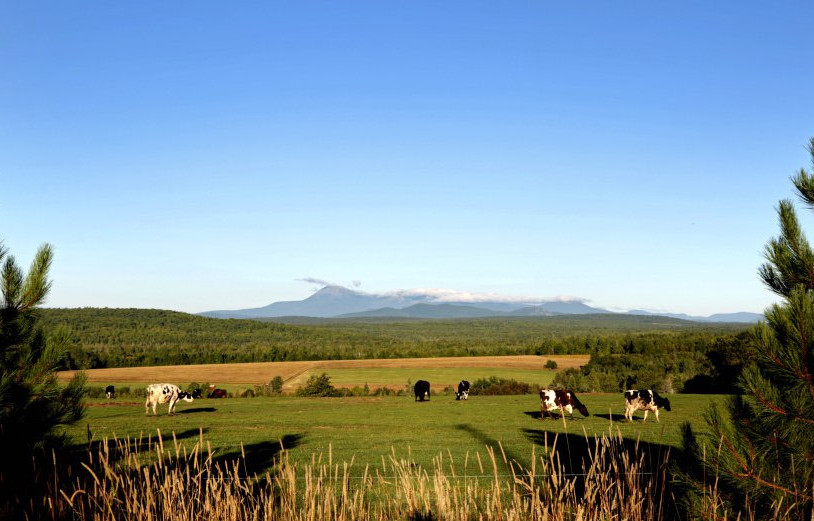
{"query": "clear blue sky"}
(211, 155)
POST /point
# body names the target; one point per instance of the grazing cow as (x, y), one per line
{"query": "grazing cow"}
(566, 401)
(164, 393)
(217, 393)
(196, 393)
(110, 391)
(463, 390)
(646, 399)
(421, 389)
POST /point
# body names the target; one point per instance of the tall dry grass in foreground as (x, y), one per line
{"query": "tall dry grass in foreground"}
(148, 480)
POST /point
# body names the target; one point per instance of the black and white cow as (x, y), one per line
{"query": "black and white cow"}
(421, 389)
(646, 399)
(110, 391)
(164, 393)
(559, 399)
(463, 390)
(196, 393)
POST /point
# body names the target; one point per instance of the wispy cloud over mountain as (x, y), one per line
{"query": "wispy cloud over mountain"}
(441, 295)
(451, 295)
(319, 282)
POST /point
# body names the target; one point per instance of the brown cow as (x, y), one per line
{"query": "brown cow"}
(217, 393)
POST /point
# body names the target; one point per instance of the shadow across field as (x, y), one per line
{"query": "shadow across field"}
(146, 442)
(259, 457)
(574, 451)
(574, 454)
(481, 437)
(118, 449)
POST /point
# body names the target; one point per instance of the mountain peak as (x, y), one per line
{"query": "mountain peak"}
(334, 291)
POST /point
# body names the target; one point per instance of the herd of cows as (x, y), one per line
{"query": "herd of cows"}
(550, 399)
(635, 400)
(566, 401)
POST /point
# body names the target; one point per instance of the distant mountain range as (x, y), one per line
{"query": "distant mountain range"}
(341, 302)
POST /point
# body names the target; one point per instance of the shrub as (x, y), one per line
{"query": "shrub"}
(273, 388)
(356, 391)
(194, 386)
(94, 392)
(500, 386)
(550, 364)
(276, 384)
(318, 386)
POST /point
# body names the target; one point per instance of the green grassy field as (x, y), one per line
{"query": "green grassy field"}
(364, 430)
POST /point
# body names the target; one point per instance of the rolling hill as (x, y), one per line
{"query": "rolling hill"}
(103, 337)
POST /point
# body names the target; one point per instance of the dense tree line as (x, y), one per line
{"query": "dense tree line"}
(697, 365)
(138, 337)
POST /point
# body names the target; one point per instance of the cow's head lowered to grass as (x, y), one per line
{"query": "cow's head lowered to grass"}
(164, 393)
(560, 399)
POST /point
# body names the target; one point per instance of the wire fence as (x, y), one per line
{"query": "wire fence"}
(376, 477)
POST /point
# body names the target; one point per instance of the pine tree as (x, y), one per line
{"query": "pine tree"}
(32, 404)
(790, 258)
(759, 456)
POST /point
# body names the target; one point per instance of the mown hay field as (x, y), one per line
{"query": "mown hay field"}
(391, 373)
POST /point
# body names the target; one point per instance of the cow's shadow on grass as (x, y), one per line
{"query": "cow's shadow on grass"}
(116, 450)
(259, 457)
(552, 416)
(612, 417)
(196, 409)
(481, 437)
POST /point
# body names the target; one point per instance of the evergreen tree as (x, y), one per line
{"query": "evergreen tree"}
(759, 455)
(790, 258)
(32, 405)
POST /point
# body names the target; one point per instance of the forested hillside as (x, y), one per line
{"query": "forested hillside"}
(140, 337)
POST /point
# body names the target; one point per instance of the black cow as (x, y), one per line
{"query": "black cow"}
(196, 393)
(567, 401)
(646, 399)
(463, 390)
(110, 391)
(421, 388)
